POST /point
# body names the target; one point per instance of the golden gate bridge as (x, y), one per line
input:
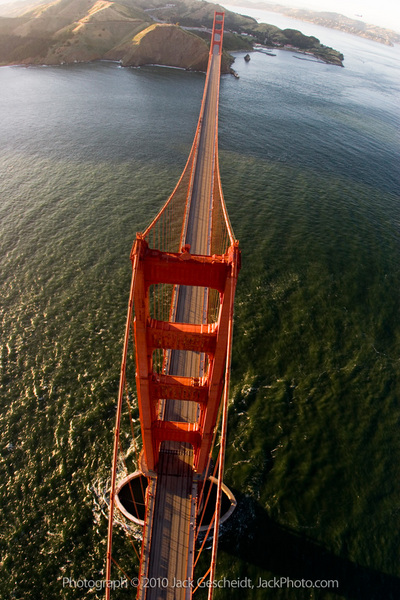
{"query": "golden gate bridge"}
(180, 320)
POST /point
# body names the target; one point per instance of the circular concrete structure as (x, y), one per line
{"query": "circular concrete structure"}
(130, 497)
(228, 503)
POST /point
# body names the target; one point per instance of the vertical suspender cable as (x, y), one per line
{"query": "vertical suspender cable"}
(117, 428)
(223, 434)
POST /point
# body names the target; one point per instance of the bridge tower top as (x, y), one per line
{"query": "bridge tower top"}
(217, 33)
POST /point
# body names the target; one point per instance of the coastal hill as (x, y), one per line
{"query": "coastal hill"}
(134, 32)
(332, 20)
(163, 44)
(67, 31)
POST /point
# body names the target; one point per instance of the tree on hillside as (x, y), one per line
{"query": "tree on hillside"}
(299, 40)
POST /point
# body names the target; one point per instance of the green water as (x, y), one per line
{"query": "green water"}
(309, 171)
(315, 415)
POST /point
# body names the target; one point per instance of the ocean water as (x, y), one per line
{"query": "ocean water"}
(309, 166)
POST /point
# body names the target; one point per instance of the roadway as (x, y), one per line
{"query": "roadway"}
(168, 550)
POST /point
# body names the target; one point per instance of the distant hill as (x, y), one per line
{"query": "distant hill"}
(134, 32)
(332, 20)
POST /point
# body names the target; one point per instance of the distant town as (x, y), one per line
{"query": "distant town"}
(332, 20)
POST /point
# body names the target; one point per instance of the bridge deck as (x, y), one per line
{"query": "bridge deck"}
(168, 552)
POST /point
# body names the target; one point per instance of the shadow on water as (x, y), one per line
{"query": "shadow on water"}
(254, 538)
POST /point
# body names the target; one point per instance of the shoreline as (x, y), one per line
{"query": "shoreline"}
(313, 57)
(256, 48)
(100, 60)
